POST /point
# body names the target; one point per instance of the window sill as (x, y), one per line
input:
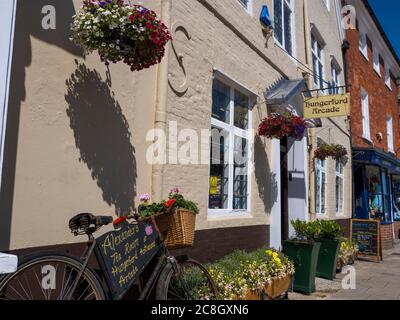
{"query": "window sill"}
(217, 215)
(280, 46)
(367, 139)
(365, 55)
(378, 73)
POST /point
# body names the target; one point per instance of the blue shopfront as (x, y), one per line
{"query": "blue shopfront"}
(376, 185)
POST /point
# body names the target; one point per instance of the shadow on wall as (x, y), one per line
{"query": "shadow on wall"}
(28, 23)
(266, 180)
(102, 136)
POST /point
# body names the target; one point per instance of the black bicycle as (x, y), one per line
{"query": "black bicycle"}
(124, 256)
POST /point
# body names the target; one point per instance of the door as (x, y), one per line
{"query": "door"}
(284, 191)
(7, 21)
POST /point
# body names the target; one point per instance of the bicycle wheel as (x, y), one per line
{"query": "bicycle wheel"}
(190, 282)
(50, 277)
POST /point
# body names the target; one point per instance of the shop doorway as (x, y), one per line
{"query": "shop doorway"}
(284, 191)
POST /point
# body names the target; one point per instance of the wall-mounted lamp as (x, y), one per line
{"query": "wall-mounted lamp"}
(266, 22)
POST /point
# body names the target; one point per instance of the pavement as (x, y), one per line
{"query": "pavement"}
(373, 281)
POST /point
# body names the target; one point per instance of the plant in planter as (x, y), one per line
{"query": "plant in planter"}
(175, 218)
(335, 151)
(249, 276)
(277, 126)
(328, 253)
(347, 253)
(303, 250)
(120, 32)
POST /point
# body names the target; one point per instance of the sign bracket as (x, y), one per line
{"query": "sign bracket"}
(329, 88)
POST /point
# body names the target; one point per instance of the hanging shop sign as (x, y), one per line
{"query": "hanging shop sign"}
(327, 106)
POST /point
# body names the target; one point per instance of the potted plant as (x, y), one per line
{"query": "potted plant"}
(278, 126)
(328, 253)
(282, 270)
(303, 250)
(175, 218)
(348, 252)
(325, 150)
(120, 32)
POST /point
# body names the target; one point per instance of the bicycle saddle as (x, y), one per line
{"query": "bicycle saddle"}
(87, 223)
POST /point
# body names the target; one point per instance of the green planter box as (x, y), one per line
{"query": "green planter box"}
(327, 259)
(305, 258)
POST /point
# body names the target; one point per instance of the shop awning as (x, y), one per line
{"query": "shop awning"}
(284, 91)
(377, 157)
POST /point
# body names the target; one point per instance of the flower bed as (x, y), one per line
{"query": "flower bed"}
(277, 126)
(120, 32)
(335, 151)
(252, 276)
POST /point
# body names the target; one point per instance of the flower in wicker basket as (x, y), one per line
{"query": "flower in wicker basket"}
(174, 218)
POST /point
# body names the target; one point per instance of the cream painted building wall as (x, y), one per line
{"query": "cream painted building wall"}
(324, 23)
(76, 132)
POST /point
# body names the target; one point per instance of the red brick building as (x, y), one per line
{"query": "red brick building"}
(372, 71)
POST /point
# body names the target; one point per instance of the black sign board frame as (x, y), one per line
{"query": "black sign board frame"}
(378, 254)
(137, 250)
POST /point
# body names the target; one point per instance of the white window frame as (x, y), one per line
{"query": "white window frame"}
(388, 80)
(282, 45)
(389, 132)
(363, 45)
(335, 79)
(319, 170)
(365, 115)
(248, 8)
(234, 131)
(320, 61)
(377, 62)
(7, 25)
(339, 175)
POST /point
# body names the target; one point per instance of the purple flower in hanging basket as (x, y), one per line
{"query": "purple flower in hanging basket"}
(149, 230)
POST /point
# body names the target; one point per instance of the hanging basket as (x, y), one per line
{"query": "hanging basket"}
(335, 151)
(278, 126)
(120, 32)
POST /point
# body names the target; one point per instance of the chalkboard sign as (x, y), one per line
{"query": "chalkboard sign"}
(366, 233)
(124, 253)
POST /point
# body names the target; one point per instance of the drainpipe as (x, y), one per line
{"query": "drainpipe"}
(160, 118)
(310, 132)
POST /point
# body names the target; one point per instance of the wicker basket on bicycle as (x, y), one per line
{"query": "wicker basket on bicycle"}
(177, 227)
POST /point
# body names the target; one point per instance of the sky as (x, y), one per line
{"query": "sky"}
(388, 13)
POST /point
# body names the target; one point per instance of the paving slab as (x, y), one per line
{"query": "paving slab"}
(374, 281)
